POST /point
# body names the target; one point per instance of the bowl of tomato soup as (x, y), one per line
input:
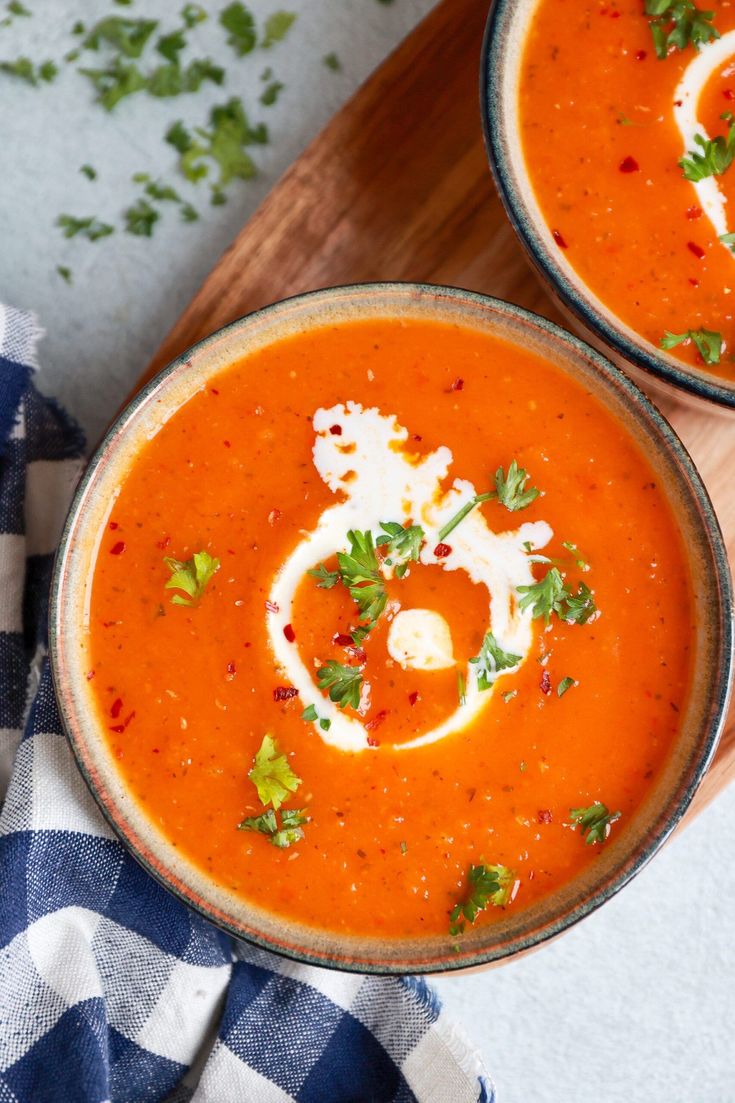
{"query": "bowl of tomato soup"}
(611, 135)
(391, 628)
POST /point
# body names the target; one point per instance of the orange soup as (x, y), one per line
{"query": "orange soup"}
(629, 156)
(390, 628)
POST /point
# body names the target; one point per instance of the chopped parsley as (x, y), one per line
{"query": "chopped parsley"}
(576, 555)
(89, 172)
(331, 61)
(564, 685)
(115, 82)
(192, 576)
(707, 342)
(271, 774)
(486, 885)
(271, 92)
(716, 156)
(728, 239)
(492, 661)
(222, 145)
(16, 8)
(141, 218)
(193, 14)
(676, 24)
(510, 490)
(461, 688)
(277, 27)
(360, 573)
(266, 823)
(595, 821)
(402, 545)
(312, 716)
(325, 579)
(65, 273)
(127, 36)
(24, 69)
(239, 23)
(90, 227)
(343, 683)
(551, 595)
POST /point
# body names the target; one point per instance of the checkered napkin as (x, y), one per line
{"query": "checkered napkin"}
(111, 989)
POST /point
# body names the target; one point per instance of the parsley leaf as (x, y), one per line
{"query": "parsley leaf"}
(677, 24)
(24, 69)
(161, 192)
(191, 576)
(89, 172)
(510, 490)
(491, 661)
(193, 14)
(16, 8)
(115, 82)
(564, 685)
(65, 273)
(238, 21)
(402, 545)
(271, 92)
(361, 575)
(141, 218)
(576, 555)
(271, 774)
(343, 682)
(127, 36)
(708, 343)
(325, 579)
(91, 227)
(312, 716)
(277, 27)
(551, 595)
(716, 157)
(595, 820)
(267, 824)
(171, 45)
(223, 144)
(486, 885)
(332, 62)
(580, 606)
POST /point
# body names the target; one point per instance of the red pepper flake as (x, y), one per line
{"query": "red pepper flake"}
(372, 741)
(118, 549)
(615, 14)
(559, 239)
(213, 390)
(694, 213)
(284, 693)
(289, 633)
(417, 437)
(273, 516)
(114, 525)
(545, 682)
(377, 720)
(728, 94)
(693, 282)
(90, 675)
(696, 249)
(441, 551)
(272, 607)
(120, 728)
(116, 707)
(629, 164)
(227, 444)
(641, 55)
(458, 385)
(335, 430)
(678, 103)
(155, 750)
(342, 640)
(544, 815)
(164, 543)
(413, 697)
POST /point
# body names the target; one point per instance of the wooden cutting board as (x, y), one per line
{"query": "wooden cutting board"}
(397, 187)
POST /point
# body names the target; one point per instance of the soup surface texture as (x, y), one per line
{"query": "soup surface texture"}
(427, 765)
(605, 123)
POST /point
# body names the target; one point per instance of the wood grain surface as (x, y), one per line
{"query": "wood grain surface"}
(397, 187)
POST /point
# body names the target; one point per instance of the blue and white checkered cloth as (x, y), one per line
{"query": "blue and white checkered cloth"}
(111, 989)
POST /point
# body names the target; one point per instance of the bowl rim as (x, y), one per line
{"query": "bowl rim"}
(660, 368)
(719, 693)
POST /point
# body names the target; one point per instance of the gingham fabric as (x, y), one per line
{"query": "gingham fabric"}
(110, 989)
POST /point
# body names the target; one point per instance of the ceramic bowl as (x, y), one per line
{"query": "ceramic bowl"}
(655, 370)
(627, 851)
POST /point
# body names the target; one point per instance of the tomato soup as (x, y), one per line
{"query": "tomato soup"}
(390, 628)
(627, 151)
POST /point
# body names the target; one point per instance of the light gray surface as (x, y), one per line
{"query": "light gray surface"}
(633, 1006)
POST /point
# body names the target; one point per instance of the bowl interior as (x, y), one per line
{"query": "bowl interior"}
(507, 28)
(627, 850)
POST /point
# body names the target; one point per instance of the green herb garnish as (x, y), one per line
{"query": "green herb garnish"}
(492, 661)
(576, 555)
(127, 36)
(486, 885)
(332, 62)
(65, 273)
(312, 716)
(89, 172)
(677, 24)
(343, 682)
(141, 218)
(193, 14)
(564, 685)
(240, 26)
(716, 156)
(192, 576)
(271, 92)
(595, 820)
(223, 145)
(461, 688)
(266, 824)
(551, 595)
(24, 69)
(16, 8)
(91, 227)
(271, 774)
(402, 545)
(325, 579)
(277, 27)
(708, 343)
(510, 490)
(580, 606)
(360, 573)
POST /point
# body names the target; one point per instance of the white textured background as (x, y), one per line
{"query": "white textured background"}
(636, 1004)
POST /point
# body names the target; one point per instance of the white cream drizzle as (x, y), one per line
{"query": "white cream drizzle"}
(686, 105)
(383, 481)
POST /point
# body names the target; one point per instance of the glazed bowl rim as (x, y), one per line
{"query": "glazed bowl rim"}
(666, 441)
(574, 296)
